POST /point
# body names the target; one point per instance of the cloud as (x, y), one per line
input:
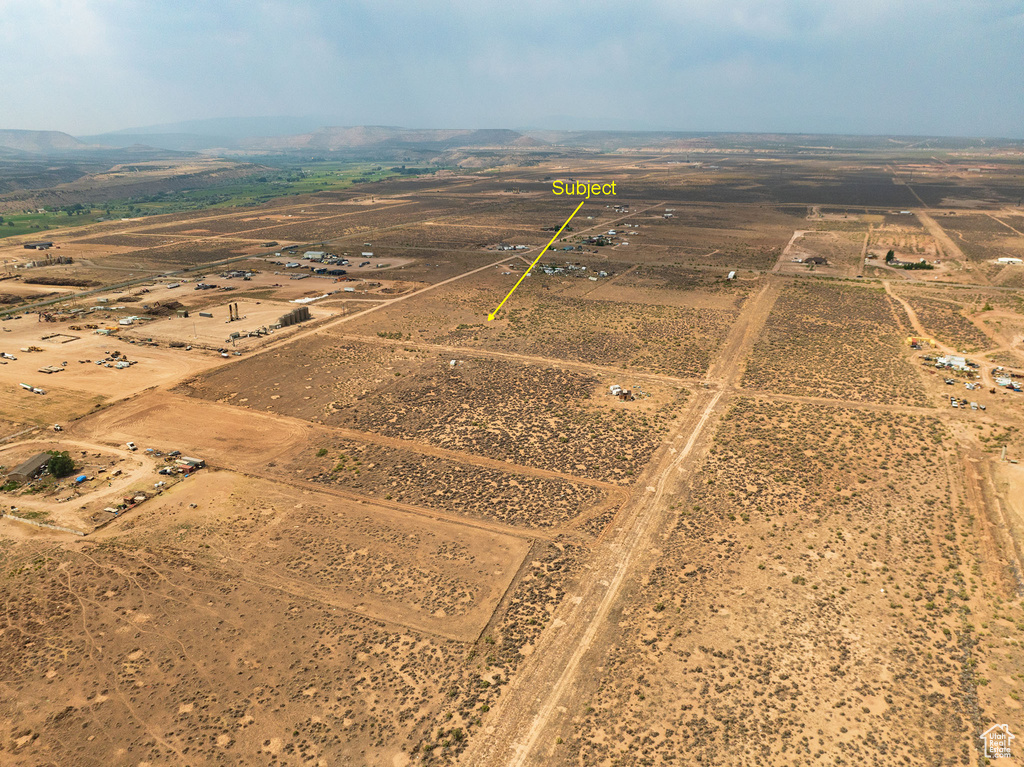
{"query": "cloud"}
(864, 65)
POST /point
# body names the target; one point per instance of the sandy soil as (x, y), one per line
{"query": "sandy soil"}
(215, 331)
(792, 551)
(80, 385)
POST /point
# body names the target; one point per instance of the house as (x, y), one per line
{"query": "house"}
(45, 245)
(1008, 260)
(29, 469)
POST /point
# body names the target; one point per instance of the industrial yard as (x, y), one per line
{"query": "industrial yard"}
(698, 494)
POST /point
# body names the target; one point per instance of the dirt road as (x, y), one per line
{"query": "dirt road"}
(784, 255)
(534, 700)
(949, 249)
(985, 370)
(527, 359)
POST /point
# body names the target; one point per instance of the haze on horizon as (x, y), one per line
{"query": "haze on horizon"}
(912, 67)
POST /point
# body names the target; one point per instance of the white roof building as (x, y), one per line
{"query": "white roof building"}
(959, 363)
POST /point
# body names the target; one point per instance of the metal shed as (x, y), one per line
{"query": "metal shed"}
(29, 468)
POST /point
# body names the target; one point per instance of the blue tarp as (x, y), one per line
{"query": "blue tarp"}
(79, 478)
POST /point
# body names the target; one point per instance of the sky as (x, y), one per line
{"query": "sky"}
(909, 67)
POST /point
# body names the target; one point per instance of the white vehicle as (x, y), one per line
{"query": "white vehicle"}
(131, 446)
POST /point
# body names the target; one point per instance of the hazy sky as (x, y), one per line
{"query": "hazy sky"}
(938, 67)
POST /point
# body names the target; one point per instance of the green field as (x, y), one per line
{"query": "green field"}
(280, 181)
(13, 224)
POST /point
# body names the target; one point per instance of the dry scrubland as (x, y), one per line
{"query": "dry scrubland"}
(811, 606)
(983, 237)
(214, 635)
(658, 339)
(945, 320)
(433, 482)
(237, 632)
(656, 319)
(829, 340)
(502, 410)
(777, 557)
(699, 238)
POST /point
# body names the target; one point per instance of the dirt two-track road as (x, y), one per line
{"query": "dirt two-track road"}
(424, 538)
(529, 711)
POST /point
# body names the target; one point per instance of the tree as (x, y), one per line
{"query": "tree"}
(60, 464)
(889, 256)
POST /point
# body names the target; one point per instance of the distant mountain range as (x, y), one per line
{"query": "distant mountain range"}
(326, 139)
(378, 136)
(39, 142)
(303, 135)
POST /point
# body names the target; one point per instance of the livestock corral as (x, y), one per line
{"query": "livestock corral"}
(681, 500)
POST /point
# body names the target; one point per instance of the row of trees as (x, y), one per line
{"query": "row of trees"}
(913, 265)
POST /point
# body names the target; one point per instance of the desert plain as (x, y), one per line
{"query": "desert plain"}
(421, 536)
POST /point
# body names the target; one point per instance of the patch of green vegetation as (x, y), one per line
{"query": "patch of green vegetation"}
(36, 515)
(257, 189)
(40, 221)
(281, 180)
(60, 464)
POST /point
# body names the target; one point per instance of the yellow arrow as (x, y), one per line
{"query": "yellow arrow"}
(492, 315)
